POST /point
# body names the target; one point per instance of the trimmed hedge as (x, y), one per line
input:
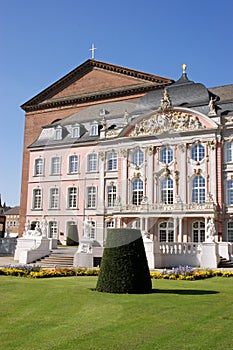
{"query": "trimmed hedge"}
(124, 267)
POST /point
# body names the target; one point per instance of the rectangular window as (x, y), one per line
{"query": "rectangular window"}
(111, 196)
(73, 164)
(72, 198)
(58, 133)
(112, 161)
(92, 162)
(38, 166)
(37, 198)
(76, 131)
(230, 231)
(53, 229)
(94, 130)
(55, 166)
(228, 146)
(91, 197)
(54, 198)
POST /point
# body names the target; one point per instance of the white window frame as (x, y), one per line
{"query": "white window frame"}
(168, 231)
(73, 164)
(137, 191)
(229, 192)
(37, 199)
(54, 201)
(112, 161)
(228, 151)
(198, 231)
(75, 131)
(138, 157)
(39, 167)
(166, 155)
(72, 197)
(94, 131)
(167, 190)
(198, 152)
(56, 165)
(92, 162)
(91, 197)
(53, 229)
(58, 133)
(199, 190)
(111, 195)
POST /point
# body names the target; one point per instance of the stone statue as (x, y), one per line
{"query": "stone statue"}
(37, 229)
(87, 228)
(44, 226)
(8, 230)
(210, 230)
(212, 107)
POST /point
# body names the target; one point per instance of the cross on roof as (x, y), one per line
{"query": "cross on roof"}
(93, 48)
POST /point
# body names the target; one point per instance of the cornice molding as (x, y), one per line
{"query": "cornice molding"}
(93, 97)
(37, 102)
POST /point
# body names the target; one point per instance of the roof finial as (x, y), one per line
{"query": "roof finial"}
(184, 66)
(93, 48)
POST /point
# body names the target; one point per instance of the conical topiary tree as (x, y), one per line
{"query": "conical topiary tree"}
(72, 238)
(124, 267)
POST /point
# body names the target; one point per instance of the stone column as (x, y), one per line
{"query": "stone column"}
(150, 179)
(101, 196)
(180, 230)
(124, 177)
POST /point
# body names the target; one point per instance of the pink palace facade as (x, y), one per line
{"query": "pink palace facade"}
(162, 163)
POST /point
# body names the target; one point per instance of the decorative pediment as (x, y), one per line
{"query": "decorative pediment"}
(169, 121)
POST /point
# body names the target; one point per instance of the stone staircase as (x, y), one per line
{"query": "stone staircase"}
(224, 263)
(60, 257)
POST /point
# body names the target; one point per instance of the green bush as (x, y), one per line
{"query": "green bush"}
(124, 267)
(72, 238)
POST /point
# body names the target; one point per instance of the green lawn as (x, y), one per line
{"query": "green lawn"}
(66, 313)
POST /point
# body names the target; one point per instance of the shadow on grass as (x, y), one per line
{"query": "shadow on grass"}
(169, 291)
(184, 291)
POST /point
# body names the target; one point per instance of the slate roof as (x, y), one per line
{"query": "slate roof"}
(13, 211)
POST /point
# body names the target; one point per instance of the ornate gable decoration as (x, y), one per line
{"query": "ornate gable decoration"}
(167, 121)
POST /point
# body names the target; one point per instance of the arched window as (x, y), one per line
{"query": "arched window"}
(167, 190)
(166, 231)
(198, 229)
(198, 152)
(230, 192)
(53, 229)
(137, 157)
(137, 191)
(198, 189)
(166, 155)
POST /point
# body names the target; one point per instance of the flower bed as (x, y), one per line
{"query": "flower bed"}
(179, 273)
(189, 274)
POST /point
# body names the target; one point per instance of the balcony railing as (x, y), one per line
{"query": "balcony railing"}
(161, 207)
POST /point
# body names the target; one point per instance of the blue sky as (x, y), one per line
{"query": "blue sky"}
(43, 40)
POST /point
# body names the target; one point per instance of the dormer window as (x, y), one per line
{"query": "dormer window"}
(76, 131)
(58, 133)
(94, 129)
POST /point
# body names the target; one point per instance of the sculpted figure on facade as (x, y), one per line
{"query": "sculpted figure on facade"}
(210, 230)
